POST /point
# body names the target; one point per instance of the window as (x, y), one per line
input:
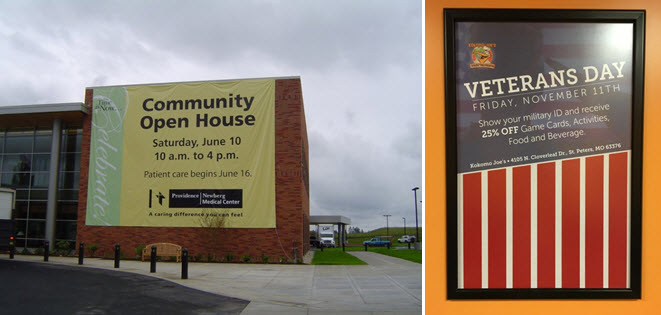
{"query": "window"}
(25, 166)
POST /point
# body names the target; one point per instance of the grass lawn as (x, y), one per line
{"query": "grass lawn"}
(335, 256)
(408, 254)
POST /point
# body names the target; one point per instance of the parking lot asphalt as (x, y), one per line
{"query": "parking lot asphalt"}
(34, 288)
(387, 285)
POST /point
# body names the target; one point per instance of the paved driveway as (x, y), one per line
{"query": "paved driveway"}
(34, 288)
(387, 286)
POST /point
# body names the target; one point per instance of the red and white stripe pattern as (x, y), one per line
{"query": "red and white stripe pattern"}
(558, 224)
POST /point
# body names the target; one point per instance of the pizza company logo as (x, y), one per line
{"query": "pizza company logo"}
(482, 55)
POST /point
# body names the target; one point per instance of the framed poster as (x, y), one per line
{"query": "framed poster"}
(544, 113)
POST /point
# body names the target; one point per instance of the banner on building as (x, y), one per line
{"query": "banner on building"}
(544, 135)
(194, 154)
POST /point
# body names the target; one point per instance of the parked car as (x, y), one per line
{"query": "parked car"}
(377, 241)
(406, 239)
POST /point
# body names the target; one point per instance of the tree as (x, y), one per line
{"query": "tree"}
(214, 227)
(354, 229)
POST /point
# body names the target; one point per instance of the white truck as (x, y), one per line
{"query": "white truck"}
(406, 239)
(7, 197)
(326, 235)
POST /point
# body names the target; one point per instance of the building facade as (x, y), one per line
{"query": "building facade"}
(52, 194)
(43, 169)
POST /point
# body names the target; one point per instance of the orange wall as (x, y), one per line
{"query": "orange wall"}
(435, 282)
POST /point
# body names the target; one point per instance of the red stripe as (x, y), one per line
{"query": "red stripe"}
(472, 226)
(617, 221)
(571, 195)
(497, 219)
(521, 226)
(546, 225)
(594, 222)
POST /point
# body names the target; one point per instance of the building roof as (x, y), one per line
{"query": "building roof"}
(41, 114)
(193, 82)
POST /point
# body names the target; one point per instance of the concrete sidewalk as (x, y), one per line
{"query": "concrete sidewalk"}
(386, 286)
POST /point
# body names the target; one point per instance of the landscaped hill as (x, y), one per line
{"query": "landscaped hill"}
(395, 233)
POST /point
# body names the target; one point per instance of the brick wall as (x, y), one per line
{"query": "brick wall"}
(291, 188)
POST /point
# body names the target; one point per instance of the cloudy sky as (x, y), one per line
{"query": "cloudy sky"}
(359, 61)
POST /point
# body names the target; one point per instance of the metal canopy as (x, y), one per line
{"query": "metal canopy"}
(338, 220)
(329, 219)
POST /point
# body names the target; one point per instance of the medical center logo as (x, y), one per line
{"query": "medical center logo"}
(482, 56)
(158, 197)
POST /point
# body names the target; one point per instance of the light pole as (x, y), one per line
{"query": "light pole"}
(404, 225)
(387, 215)
(415, 196)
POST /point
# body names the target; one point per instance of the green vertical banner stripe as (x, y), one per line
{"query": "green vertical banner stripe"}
(105, 172)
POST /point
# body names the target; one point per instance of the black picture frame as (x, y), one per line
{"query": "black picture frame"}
(452, 18)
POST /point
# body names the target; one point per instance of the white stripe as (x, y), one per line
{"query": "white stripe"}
(628, 219)
(509, 229)
(533, 226)
(485, 229)
(606, 218)
(558, 224)
(581, 242)
(460, 232)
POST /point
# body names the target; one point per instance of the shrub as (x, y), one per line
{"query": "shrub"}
(265, 259)
(62, 247)
(92, 248)
(229, 257)
(246, 258)
(198, 257)
(138, 250)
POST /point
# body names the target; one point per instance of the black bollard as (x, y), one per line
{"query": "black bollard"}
(46, 250)
(152, 262)
(117, 249)
(81, 253)
(322, 247)
(388, 245)
(365, 247)
(343, 247)
(184, 263)
(409, 245)
(12, 247)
